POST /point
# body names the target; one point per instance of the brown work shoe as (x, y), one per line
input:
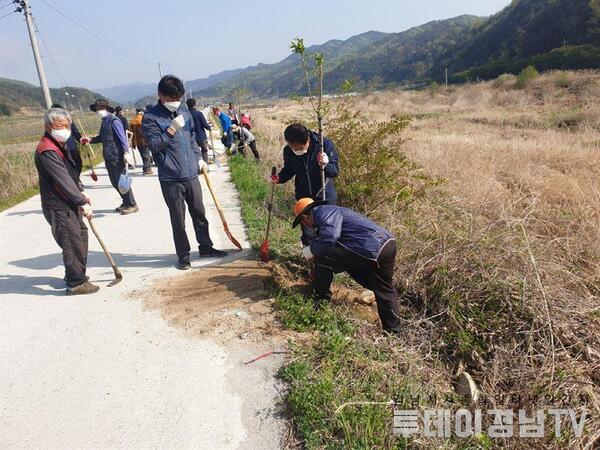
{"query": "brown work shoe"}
(129, 210)
(82, 289)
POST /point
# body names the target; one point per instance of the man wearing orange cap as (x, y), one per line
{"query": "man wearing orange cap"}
(345, 241)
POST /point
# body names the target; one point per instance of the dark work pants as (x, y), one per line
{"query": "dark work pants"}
(227, 140)
(375, 276)
(176, 195)
(252, 146)
(115, 169)
(146, 158)
(204, 149)
(71, 235)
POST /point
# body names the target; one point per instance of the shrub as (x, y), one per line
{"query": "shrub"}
(4, 110)
(504, 81)
(375, 170)
(526, 76)
(562, 80)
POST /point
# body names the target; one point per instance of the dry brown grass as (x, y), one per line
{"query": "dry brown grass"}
(18, 139)
(506, 252)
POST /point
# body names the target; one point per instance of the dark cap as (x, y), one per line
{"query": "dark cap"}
(101, 104)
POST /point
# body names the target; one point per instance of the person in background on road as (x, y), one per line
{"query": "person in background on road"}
(346, 241)
(302, 159)
(200, 126)
(71, 144)
(170, 135)
(227, 138)
(122, 118)
(115, 150)
(248, 139)
(139, 142)
(246, 123)
(233, 114)
(64, 202)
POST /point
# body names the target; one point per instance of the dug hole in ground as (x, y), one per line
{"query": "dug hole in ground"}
(159, 360)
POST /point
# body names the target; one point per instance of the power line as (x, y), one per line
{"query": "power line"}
(6, 15)
(60, 73)
(96, 35)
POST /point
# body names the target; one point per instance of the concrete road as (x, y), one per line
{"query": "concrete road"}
(101, 372)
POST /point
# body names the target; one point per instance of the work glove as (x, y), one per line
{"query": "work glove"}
(87, 211)
(84, 140)
(202, 166)
(307, 253)
(274, 179)
(177, 123)
(224, 134)
(128, 158)
(87, 197)
(322, 159)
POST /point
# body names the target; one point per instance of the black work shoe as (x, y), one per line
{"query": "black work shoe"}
(82, 289)
(210, 252)
(391, 332)
(184, 263)
(129, 210)
(120, 208)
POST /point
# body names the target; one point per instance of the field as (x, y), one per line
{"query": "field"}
(18, 137)
(497, 211)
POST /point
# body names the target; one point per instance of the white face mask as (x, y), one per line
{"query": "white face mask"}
(61, 135)
(102, 113)
(172, 106)
(299, 153)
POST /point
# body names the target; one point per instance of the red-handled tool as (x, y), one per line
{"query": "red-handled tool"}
(264, 248)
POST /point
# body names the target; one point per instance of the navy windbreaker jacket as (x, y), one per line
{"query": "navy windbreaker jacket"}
(335, 225)
(200, 125)
(308, 172)
(176, 157)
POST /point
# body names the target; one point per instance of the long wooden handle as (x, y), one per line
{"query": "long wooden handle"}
(106, 252)
(220, 211)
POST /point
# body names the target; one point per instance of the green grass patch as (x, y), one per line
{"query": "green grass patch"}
(340, 363)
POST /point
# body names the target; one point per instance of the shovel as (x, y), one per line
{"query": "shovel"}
(264, 248)
(118, 275)
(93, 174)
(220, 211)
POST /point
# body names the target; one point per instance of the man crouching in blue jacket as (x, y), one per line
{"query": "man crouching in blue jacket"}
(345, 241)
(170, 136)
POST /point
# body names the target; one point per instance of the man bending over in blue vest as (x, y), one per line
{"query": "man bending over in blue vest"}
(345, 241)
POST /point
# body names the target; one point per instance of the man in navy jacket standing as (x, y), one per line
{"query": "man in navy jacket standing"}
(303, 160)
(345, 241)
(200, 125)
(170, 135)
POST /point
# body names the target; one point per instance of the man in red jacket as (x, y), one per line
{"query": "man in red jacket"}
(64, 202)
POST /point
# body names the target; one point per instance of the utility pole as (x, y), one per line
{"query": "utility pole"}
(446, 77)
(25, 8)
(160, 69)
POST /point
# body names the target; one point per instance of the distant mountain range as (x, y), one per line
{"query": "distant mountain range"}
(15, 95)
(562, 34)
(140, 93)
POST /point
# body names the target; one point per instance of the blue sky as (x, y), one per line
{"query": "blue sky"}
(196, 38)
